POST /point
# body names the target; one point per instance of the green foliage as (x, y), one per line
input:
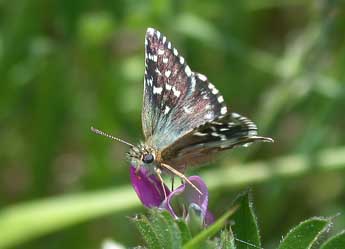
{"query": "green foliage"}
(304, 235)
(335, 242)
(152, 239)
(200, 239)
(184, 230)
(245, 227)
(160, 230)
(227, 240)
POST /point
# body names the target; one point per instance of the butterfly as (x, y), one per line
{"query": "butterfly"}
(185, 119)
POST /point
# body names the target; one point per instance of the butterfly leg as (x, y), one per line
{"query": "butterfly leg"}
(159, 172)
(172, 183)
(182, 176)
(137, 170)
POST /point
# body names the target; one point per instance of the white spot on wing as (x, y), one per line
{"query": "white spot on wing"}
(167, 73)
(208, 116)
(188, 71)
(158, 34)
(168, 87)
(215, 134)
(149, 82)
(193, 82)
(231, 124)
(160, 51)
(215, 91)
(175, 52)
(202, 77)
(210, 86)
(164, 39)
(158, 72)
(176, 92)
(157, 90)
(200, 134)
(150, 31)
(216, 123)
(246, 144)
(220, 99)
(187, 110)
(169, 45)
(235, 115)
(223, 110)
(167, 109)
(181, 60)
(165, 60)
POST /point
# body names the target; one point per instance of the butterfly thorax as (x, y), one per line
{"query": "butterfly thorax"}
(144, 155)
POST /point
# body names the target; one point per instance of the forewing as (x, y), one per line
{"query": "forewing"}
(176, 100)
(220, 134)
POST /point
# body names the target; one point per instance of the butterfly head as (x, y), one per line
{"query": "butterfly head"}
(143, 155)
(140, 155)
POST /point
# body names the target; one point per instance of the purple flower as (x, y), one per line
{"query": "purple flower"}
(148, 187)
(184, 202)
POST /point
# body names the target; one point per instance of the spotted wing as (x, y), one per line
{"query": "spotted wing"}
(220, 134)
(176, 100)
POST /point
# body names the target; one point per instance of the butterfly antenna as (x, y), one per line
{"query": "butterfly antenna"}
(99, 132)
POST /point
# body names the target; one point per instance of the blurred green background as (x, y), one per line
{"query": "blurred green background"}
(67, 65)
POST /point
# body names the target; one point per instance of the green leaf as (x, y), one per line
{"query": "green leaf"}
(245, 226)
(146, 230)
(305, 234)
(172, 229)
(227, 240)
(159, 230)
(185, 232)
(160, 227)
(335, 242)
(199, 239)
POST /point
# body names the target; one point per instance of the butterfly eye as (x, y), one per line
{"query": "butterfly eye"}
(148, 158)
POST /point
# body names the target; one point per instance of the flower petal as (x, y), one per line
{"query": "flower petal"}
(189, 195)
(148, 187)
(209, 218)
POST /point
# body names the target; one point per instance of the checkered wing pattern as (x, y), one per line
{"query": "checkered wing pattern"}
(198, 146)
(176, 100)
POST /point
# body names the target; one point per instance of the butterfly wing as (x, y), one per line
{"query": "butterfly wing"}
(176, 100)
(220, 134)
